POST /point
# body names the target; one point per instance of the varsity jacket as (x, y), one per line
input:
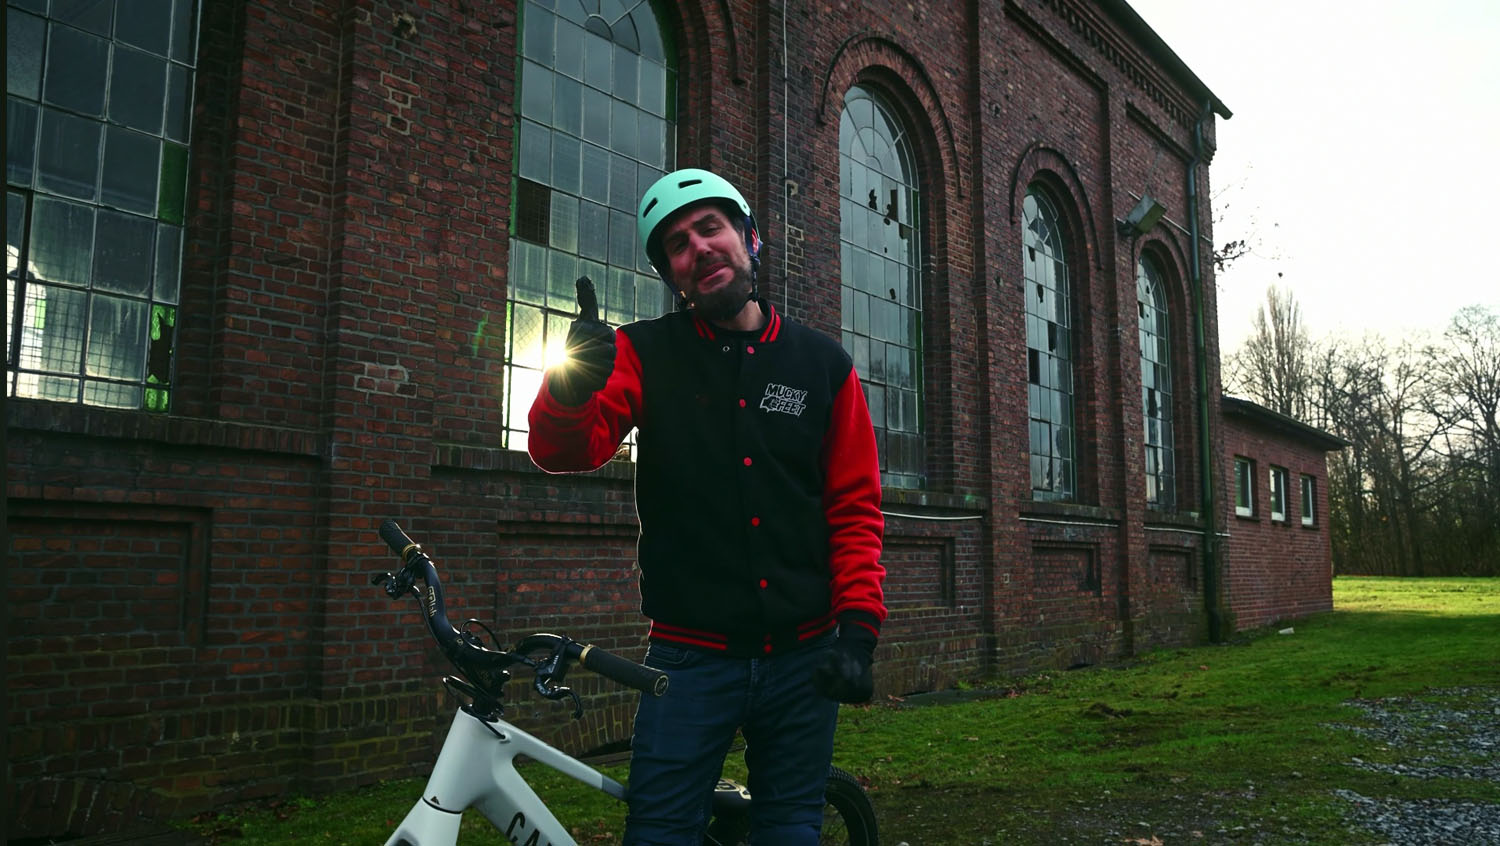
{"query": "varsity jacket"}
(757, 480)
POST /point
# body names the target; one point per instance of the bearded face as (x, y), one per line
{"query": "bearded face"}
(710, 265)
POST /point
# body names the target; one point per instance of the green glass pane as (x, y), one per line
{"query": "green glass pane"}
(23, 53)
(172, 196)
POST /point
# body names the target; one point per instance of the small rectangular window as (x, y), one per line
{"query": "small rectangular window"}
(1244, 487)
(1309, 500)
(1278, 494)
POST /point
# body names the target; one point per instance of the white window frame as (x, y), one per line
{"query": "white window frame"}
(1244, 483)
(1278, 494)
(1309, 500)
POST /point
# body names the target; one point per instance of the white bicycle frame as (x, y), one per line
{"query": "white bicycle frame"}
(477, 769)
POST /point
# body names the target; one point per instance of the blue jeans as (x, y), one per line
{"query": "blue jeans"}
(681, 739)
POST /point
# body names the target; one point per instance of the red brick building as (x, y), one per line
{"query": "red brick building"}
(1275, 515)
(281, 270)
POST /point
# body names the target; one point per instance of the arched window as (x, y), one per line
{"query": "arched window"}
(597, 99)
(1156, 384)
(98, 115)
(1049, 344)
(880, 261)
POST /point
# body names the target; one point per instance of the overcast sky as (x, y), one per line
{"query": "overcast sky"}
(1363, 158)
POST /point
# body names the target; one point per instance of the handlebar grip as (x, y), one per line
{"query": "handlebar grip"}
(396, 539)
(611, 666)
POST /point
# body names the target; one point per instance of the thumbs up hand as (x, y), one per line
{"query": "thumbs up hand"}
(591, 352)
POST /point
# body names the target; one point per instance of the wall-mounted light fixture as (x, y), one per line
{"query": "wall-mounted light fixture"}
(1143, 217)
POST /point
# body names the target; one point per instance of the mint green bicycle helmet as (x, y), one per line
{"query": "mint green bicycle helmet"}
(678, 190)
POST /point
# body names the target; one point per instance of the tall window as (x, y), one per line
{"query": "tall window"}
(880, 280)
(1156, 385)
(1049, 365)
(1244, 487)
(1309, 500)
(597, 99)
(97, 112)
(1278, 494)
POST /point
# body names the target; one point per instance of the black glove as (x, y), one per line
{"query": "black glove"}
(591, 353)
(843, 673)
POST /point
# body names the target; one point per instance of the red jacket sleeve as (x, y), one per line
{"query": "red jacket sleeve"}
(851, 502)
(564, 439)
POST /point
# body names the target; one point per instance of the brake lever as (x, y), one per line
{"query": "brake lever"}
(552, 671)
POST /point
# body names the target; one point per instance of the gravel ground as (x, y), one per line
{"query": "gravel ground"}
(1457, 736)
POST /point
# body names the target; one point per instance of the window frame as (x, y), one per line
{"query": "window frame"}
(577, 116)
(1156, 377)
(1278, 494)
(1041, 382)
(894, 384)
(1244, 483)
(1309, 499)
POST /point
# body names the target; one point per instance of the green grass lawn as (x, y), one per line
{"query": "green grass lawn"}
(1230, 738)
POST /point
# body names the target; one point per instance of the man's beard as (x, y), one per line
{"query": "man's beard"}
(727, 301)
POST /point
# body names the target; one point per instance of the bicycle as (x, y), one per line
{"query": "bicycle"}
(476, 767)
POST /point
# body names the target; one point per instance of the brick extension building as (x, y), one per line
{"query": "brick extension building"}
(328, 247)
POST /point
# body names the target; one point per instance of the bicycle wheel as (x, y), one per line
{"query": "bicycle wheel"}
(848, 815)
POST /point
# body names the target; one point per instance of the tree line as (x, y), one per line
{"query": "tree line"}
(1417, 491)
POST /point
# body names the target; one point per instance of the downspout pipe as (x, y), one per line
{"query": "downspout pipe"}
(1211, 564)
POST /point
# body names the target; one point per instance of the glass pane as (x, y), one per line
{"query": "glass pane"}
(62, 241)
(159, 353)
(132, 164)
(146, 24)
(168, 263)
(528, 272)
(536, 39)
(598, 61)
(172, 192)
(20, 141)
(122, 253)
(52, 328)
(526, 336)
(569, 50)
(111, 394)
(93, 15)
(536, 92)
(68, 155)
(595, 184)
(564, 222)
(622, 191)
(179, 103)
(653, 91)
(536, 153)
(596, 116)
(625, 74)
(593, 231)
(567, 105)
(565, 156)
(184, 32)
(624, 138)
(77, 69)
(23, 53)
(137, 89)
(117, 338)
(15, 230)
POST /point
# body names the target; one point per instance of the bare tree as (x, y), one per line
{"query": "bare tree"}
(1273, 366)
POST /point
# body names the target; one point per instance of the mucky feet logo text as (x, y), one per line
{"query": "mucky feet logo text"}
(781, 398)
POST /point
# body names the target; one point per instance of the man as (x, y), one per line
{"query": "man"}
(758, 491)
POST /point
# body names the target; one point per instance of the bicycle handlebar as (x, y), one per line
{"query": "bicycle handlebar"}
(487, 667)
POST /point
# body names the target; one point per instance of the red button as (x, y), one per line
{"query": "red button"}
(750, 350)
(768, 649)
(755, 521)
(762, 583)
(742, 403)
(747, 461)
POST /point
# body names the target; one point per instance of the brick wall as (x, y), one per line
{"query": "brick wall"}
(340, 361)
(1281, 569)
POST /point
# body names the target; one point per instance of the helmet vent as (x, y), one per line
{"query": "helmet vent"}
(649, 206)
(686, 182)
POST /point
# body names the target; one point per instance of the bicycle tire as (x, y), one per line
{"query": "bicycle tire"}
(848, 817)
